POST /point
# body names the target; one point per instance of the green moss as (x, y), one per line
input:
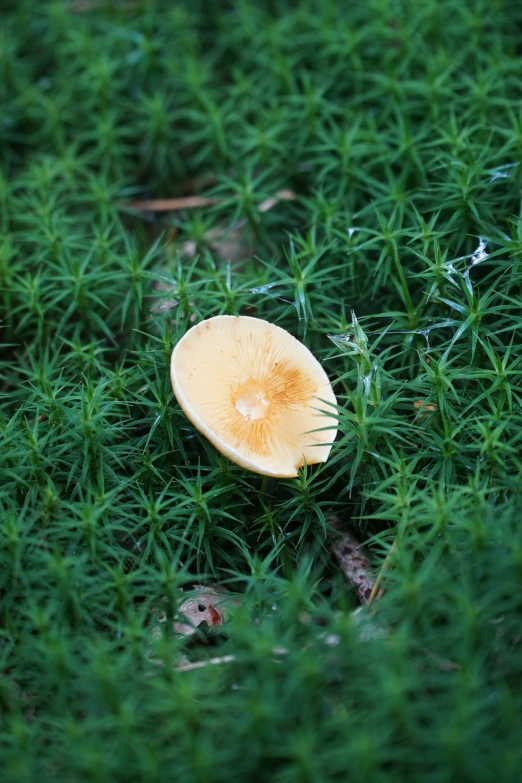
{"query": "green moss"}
(398, 128)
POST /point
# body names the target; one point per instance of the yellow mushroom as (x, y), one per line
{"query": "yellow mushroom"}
(256, 393)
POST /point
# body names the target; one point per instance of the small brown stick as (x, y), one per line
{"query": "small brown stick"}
(189, 666)
(354, 564)
(172, 204)
(191, 202)
(378, 590)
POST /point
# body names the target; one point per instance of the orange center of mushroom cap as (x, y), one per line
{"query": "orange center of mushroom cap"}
(251, 401)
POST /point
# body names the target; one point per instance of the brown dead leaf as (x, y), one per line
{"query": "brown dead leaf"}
(234, 244)
(210, 604)
(353, 562)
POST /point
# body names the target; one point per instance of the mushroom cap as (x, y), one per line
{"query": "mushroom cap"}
(256, 393)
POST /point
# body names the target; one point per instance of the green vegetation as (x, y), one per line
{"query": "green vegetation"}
(398, 127)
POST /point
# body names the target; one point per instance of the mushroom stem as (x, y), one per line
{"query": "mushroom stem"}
(266, 485)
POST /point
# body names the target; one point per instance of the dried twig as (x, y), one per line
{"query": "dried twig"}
(190, 202)
(172, 204)
(187, 666)
(190, 665)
